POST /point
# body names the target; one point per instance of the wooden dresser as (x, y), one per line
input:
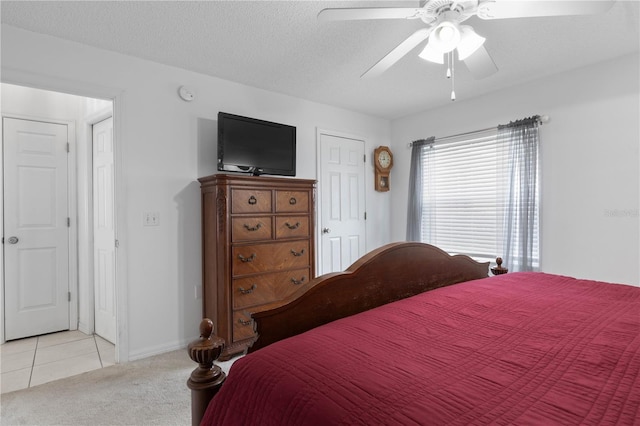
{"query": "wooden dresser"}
(258, 247)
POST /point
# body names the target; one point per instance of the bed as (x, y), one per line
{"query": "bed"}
(410, 336)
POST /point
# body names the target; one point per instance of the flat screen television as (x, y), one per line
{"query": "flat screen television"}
(255, 146)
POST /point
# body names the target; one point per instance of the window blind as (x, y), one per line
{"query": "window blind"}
(465, 183)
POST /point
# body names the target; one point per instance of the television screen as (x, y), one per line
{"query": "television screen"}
(255, 146)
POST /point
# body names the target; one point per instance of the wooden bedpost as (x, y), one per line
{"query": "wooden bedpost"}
(207, 378)
(499, 270)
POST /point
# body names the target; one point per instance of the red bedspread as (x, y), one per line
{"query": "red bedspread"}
(521, 348)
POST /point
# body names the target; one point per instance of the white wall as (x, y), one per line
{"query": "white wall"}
(161, 156)
(589, 163)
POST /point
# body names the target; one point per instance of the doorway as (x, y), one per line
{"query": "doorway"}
(342, 223)
(79, 115)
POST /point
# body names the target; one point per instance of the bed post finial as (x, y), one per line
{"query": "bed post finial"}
(499, 270)
(207, 378)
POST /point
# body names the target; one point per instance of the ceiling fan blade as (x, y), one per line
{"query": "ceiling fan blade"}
(398, 52)
(350, 14)
(480, 64)
(502, 9)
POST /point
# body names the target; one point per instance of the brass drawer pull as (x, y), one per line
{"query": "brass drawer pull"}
(297, 253)
(252, 200)
(247, 259)
(292, 227)
(253, 228)
(248, 290)
(244, 322)
(298, 282)
(292, 200)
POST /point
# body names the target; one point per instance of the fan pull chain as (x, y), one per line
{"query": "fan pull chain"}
(453, 77)
(448, 64)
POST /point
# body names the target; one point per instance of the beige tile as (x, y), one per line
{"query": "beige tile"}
(62, 337)
(15, 380)
(16, 361)
(64, 368)
(21, 345)
(107, 351)
(100, 339)
(65, 350)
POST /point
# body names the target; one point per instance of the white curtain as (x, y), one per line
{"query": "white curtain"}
(521, 214)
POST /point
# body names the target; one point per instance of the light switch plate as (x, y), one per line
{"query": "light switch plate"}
(151, 218)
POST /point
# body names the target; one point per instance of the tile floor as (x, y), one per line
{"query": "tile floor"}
(37, 360)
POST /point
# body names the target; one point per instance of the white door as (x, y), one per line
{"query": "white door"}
(36, 228)
(342, 201)
(104, 230)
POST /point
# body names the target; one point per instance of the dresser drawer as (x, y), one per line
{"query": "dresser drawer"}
(292, 227)
(242, 325)
(267, 288)
(292, 201)
(273, 257)
(250, 228)
(250, 201)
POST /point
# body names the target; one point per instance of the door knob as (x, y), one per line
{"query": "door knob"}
(326, 230)
(12, 240)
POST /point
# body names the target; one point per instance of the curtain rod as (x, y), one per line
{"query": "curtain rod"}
(543, 119)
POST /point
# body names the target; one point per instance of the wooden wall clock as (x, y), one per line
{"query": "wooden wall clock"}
(383, 161)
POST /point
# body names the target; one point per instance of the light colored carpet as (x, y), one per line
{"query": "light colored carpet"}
(150, 391)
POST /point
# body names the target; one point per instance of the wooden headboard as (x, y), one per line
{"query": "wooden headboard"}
(392, 272)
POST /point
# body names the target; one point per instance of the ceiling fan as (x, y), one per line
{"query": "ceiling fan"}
(443, 19)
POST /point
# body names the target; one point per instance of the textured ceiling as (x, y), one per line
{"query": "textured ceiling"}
(280, 46)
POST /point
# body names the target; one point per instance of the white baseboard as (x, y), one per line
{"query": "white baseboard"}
(160, 349)
(84, 328)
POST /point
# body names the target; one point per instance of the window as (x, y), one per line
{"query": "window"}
(473, 199)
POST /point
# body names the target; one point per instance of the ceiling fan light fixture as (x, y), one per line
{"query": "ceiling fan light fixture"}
(470, 41)
(432, 55)
(445, 37)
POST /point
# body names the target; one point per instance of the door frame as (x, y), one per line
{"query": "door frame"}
(118, 99)
(72, 207)
(319, 133)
